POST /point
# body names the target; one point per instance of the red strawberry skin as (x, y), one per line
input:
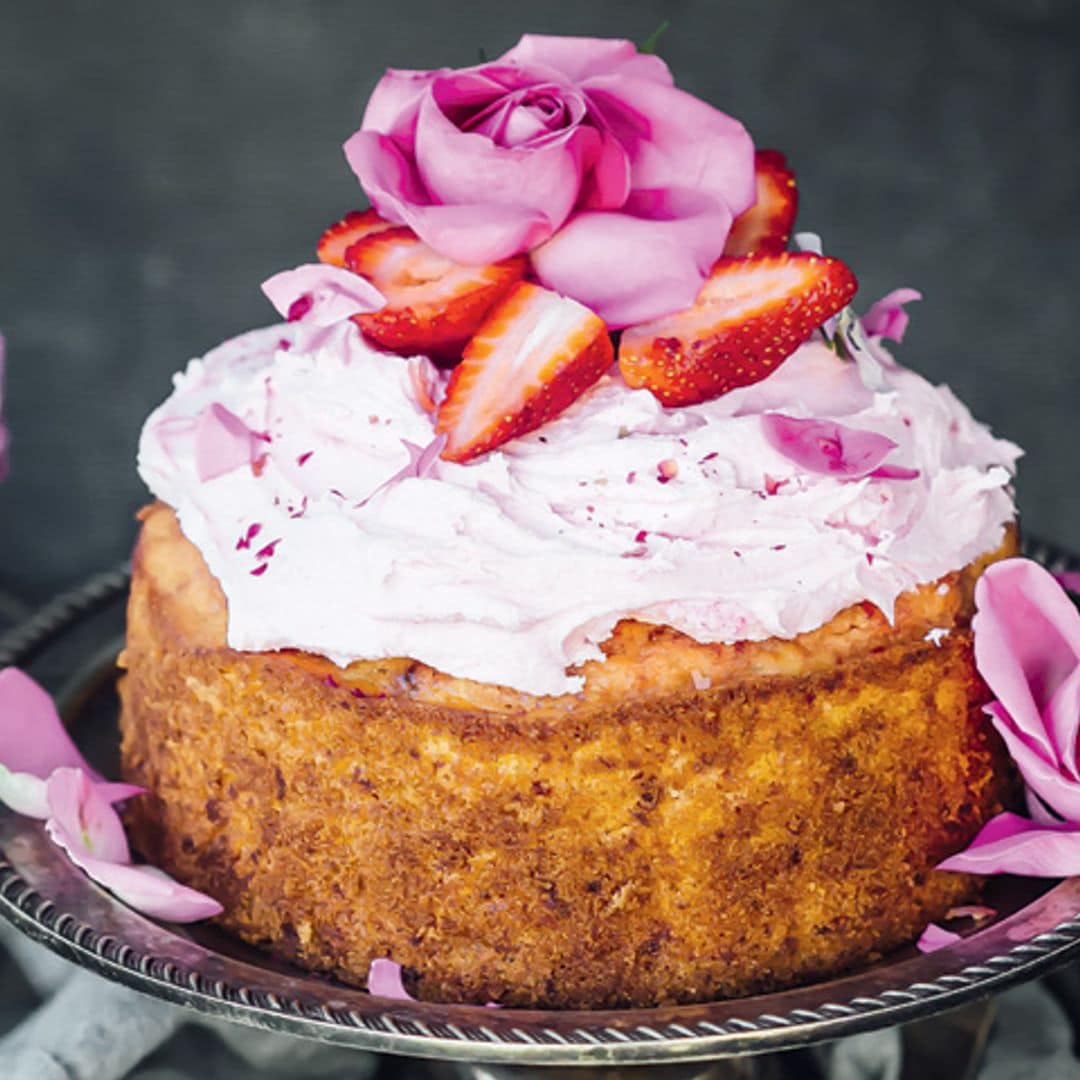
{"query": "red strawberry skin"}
(766, 226)
(340, 236)
(433, 305)
(751, 314)
(536, 353)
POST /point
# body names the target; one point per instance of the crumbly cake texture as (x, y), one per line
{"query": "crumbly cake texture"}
(701, 821)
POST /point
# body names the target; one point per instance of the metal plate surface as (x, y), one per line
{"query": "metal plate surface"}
(70, 647)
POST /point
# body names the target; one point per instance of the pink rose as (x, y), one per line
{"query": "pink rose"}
(579, 150)
(1027, 648)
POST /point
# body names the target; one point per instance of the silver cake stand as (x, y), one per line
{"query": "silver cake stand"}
(71, 645)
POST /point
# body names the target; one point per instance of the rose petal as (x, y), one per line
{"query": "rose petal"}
(145, 888)
(895, 472)
(1044, 776)
(1009, 844)
(329, 293)
(24, 793)
(32, 737)
(936, 937)
(384, 980)
(223, 442)
(422, 459)
(826, 447)
(674, 140)
(455, 166)
(579, 58)
(84, 812)
(631, 269)
(474, 234)
(1061, 717)
(395, 101)
(1027, 643)
(887, 318)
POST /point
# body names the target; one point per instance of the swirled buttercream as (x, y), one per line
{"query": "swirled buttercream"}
(517, 566)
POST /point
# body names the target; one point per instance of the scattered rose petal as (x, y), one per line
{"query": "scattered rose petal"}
(223, 442)
(826, 447)
(895, 472)
(858, 347)
(145, 888)
(81, 810)
(1010, 844)
(384, 980)
(422, 460)
(24, 793)
(886, 318)
(978, 912)
(321, 295)
(33, 738)
(936, 937)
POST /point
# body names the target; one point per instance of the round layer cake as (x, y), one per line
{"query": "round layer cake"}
(633, 710)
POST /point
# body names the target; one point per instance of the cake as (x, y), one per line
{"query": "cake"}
(561, 682)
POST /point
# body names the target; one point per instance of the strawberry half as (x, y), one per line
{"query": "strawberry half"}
(766, 226)
(341, 236)
(751, 314)
(536, 353)
(433, 304)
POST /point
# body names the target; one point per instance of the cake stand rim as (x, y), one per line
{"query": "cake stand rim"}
(980, 965)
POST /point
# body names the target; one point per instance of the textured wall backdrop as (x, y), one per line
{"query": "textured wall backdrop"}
(158, 161)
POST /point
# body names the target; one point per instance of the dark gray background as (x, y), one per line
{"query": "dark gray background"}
(159, 160)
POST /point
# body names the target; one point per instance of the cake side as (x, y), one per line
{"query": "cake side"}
(611, 849)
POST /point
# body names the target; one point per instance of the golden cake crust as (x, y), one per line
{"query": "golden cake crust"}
(642, 842)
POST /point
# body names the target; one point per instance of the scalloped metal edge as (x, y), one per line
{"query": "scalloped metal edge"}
(466, 1033)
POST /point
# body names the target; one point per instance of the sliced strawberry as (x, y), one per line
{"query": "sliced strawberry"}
(433, 304)
(751, 314)
(535, 354)
(340, 236)
(766, 226)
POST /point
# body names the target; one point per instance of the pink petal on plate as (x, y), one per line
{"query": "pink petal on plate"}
(321, 295)
(223, 442)
(145, 888)
(826, 447)
(936, 937)
(1010, 844)
(1027, 643)
(887, 318)
(33, 738)
(384, 980)
(84, 812)
(24, 793)
(1044, 777)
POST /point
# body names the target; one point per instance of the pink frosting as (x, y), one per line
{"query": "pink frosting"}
(515, 566)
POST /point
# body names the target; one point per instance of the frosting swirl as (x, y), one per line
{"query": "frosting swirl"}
(515, 567)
